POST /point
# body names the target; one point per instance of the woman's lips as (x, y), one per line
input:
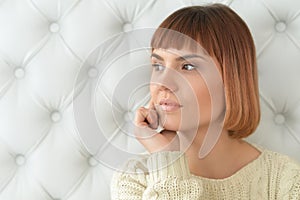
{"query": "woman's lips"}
(169, 105)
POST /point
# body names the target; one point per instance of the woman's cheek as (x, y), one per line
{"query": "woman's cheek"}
(171, 121)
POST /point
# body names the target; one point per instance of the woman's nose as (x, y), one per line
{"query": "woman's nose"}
(167, 80)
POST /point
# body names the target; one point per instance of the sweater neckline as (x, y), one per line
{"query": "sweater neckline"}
(247, 171)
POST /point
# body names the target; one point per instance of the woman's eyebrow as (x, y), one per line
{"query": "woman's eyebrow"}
(189, 56)
(156, 56)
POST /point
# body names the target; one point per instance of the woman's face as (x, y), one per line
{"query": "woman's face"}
(179, 88)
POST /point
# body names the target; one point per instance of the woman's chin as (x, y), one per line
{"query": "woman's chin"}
(171, 127)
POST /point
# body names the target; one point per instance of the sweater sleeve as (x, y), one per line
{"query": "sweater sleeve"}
(130, 183)
(167, 177)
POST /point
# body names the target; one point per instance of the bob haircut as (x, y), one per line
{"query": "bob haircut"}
(225, 37)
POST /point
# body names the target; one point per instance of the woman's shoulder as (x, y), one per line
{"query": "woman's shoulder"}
(276, 160)
(282, 169)
(279, 160)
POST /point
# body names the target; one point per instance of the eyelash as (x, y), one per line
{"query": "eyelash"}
(159, 67)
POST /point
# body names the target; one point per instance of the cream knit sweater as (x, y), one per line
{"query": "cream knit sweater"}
(270, 176)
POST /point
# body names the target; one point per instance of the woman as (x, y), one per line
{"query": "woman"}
(206, 100)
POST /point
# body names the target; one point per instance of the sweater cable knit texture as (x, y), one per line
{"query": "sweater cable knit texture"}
(165, 175)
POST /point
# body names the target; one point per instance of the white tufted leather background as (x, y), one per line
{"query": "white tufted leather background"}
(44, 44)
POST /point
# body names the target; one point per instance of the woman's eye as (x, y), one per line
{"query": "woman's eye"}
(158, 67)
(188, 67)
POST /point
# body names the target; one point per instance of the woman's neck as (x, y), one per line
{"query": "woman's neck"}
(226, 158)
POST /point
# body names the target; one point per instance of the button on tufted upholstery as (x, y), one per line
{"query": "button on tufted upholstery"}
(54, 27)
(93, 72)
(279, 119)
(55, 116)
(20, 160)
(44, 45)
(92, 162)
(127, 27)
(19, 73)
(280, 26)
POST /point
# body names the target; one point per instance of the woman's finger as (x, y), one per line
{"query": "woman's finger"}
(140, 117)
(152, 118)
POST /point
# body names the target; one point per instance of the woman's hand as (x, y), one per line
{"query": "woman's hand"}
(146, 123)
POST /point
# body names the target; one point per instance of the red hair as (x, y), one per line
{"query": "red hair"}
(225, 37)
